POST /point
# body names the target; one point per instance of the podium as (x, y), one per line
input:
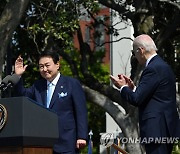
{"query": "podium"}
(28, 128)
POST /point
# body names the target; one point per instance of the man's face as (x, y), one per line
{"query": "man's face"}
(48, 69)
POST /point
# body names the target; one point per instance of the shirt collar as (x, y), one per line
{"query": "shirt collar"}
(147, 62)
(54, 82)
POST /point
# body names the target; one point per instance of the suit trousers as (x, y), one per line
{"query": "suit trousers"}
(160, 148)
(153, 148)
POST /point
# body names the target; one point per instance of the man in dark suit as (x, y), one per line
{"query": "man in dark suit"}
(155, 97)
(67, 100)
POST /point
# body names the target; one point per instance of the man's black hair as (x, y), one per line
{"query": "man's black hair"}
(48, 53)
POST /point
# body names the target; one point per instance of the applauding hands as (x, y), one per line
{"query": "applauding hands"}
(122, 80)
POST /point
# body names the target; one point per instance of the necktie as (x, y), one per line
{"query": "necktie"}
(49, 94)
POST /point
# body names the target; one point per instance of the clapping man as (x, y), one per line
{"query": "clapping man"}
(155, 97)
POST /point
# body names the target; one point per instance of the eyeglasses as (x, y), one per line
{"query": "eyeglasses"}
(133, 52)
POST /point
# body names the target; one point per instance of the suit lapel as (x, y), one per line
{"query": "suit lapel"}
(60, 86)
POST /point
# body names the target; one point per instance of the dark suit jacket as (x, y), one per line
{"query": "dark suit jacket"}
(71, 109)
(155, 97)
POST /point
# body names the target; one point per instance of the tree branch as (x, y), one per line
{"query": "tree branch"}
(9, 20)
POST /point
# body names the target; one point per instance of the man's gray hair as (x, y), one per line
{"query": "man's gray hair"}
(146, 42)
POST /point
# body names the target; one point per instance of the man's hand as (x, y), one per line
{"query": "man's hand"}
(118, 81)
(80, 143)
(19, 66)
(129, 82)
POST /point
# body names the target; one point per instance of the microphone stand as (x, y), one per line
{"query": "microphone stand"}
(6, 91)
(6, 94)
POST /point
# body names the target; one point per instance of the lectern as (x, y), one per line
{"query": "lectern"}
(26, 127)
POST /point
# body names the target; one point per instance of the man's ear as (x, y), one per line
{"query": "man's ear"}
(58, 64)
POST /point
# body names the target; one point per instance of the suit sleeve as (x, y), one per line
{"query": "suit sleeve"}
(21, 91)
(144, 91)
(80, 110)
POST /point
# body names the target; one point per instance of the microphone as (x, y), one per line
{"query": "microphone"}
(12, 81)
(5, 81)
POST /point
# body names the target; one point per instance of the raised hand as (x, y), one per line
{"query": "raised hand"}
(19, 66)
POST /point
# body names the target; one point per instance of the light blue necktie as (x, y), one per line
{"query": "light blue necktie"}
(49, 94)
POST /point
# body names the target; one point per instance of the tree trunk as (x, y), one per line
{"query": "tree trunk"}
(9, 20)
(127, 122)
